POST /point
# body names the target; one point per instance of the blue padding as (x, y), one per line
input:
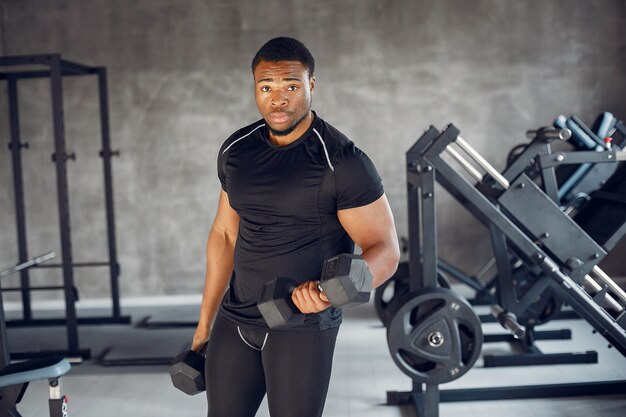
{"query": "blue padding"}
(560, 122)
(573, 179)
(579, 136)
(605, 125)
(34, 370)
(583, 140)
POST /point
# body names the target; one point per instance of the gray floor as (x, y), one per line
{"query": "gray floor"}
(362, 374)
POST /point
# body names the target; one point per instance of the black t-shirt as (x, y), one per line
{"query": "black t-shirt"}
(287, 199)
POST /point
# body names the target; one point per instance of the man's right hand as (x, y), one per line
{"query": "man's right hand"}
(200, 337)
(309, 299)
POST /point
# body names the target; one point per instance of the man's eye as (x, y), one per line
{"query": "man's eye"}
(292, 88)
(265, 89)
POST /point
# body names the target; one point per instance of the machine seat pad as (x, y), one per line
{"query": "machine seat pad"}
(32, 370)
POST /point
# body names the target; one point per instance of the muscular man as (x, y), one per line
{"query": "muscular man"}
(295, 191)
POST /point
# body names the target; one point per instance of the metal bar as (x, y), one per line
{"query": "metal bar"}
(71, 356)
(482, 162)
(5, 357)
(74, 67)
(420, 146)
(550, 186)
(108, 190)
(75, 265)
(63, 203)
(548, 134)
(460, 276)
(415, 257)
(505, 294)
(534, 391)
(63, 322)
(536, 359)
(25, 75)
(27, 264)
(46, 288)
(608, 281)
(18, 186)
(485, 268)
(529, 156)
(609, 299)
(41, 59)
(582, 157)
(428, 228)
(464, 163)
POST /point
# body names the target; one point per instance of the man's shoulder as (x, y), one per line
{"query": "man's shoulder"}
(333, 138)
(241, 134)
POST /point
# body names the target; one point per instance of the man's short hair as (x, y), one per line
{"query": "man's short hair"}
(285, 49)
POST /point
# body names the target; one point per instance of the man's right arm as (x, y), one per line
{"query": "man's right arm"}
(219, 266)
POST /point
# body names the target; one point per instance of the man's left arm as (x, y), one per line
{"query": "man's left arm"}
(372, 228)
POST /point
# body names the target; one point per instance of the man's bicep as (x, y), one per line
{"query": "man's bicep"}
(226, 220)
(370, 224)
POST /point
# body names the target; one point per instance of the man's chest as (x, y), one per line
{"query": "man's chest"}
(274, 184)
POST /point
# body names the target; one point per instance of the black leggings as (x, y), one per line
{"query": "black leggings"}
(292, 367)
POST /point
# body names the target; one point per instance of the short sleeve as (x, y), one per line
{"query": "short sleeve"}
(221, 167)
(357, 182)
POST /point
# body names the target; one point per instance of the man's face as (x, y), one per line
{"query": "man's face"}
(283, 94)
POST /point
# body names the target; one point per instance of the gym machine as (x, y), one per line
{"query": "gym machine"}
(55, 68)
(530, 229)
(570, 186)
(15, 377)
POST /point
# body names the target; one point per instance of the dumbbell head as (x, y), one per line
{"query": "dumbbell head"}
(276, 306)
(187, 370)
(346, 280)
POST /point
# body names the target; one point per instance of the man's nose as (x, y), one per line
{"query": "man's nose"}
(279, 99)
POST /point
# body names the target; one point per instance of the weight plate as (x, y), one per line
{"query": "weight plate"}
(394, 288)
(389, 292)
(434, 336)
(544, 308)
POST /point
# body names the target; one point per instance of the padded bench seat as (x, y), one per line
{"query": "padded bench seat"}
(33, 370)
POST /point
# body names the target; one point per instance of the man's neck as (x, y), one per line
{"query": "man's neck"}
(285, 140)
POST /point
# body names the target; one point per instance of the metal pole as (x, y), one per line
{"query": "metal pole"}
(5, 356)
(18, 186)
(108, 191)
(463, 162)
(608, 281)
(482, 162)
(63, 202)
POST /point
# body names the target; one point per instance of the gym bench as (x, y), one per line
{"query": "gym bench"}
(15, 377)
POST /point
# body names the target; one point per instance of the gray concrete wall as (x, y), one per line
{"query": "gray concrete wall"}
(180, 83)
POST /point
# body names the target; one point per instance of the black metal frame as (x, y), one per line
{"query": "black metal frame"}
(57, 68)
(424, 166)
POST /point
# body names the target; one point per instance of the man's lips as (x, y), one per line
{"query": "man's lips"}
(280, 117)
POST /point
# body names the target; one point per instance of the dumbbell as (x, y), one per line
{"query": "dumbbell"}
(187, 370)
(346, 280)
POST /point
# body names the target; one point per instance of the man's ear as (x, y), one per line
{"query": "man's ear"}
(312, 83)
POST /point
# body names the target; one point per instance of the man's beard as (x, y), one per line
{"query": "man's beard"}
(290, 129)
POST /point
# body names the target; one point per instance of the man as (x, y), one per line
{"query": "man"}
(295, 191)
